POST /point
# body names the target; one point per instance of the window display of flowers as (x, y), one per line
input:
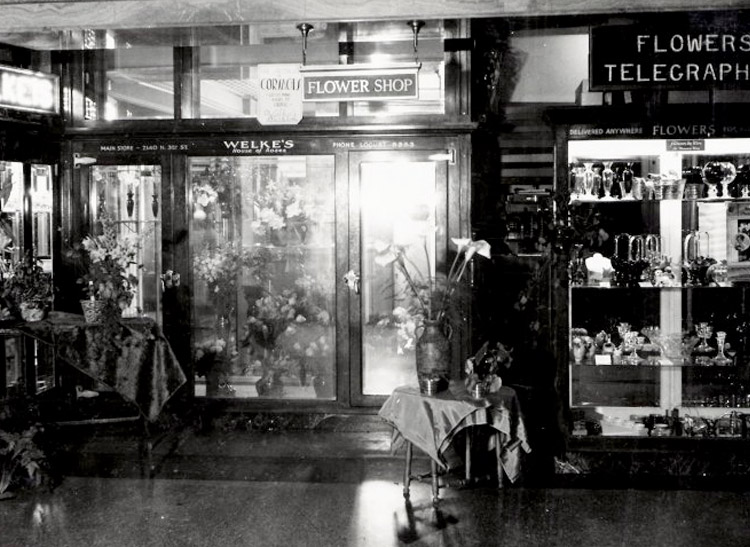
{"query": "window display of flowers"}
(111, 262)
(221, 267)
(281, 212)
(286, 331)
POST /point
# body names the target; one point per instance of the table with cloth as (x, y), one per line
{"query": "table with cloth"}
(431, 423)
(130, 356)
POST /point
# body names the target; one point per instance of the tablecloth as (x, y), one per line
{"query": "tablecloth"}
(131, 356)
(431, 422)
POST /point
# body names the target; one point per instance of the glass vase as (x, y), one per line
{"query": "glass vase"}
(433, 358)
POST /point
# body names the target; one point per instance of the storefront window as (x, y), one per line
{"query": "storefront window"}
(229, 59)
(229, 81)
(129, 75)
(262, 245)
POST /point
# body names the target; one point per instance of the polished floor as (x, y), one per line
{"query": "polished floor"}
(334, 488)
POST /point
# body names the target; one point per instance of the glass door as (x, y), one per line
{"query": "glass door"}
(25, 227)
(129, 197)
(399, 202)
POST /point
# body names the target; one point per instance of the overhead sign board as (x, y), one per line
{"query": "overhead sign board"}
(673, 57)
(359, 83)
(29, 91)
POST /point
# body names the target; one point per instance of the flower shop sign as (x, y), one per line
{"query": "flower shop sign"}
(359, 82)
(673, 57)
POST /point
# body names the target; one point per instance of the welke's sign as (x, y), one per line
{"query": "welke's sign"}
(355, 83)
(637, 57)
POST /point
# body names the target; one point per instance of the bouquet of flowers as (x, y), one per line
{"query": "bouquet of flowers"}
(281, 208)
(434, 296)
(112, 261)
(220, 266)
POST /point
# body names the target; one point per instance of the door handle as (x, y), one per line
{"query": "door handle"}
(170, 279)
(351, 278)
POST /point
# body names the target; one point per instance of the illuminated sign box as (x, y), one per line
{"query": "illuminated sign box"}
(672, 57)
(359, 83)
(29, 91)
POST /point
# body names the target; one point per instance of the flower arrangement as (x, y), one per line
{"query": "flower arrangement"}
(220, 267)
(28, 286)
(281, 208)
(434, 296)
(482, 370)
(111, 261)
(288, 330)
(273, 313)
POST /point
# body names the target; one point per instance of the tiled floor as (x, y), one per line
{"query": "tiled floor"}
(332, 488)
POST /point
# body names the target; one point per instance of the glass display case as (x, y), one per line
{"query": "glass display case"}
(658, 285)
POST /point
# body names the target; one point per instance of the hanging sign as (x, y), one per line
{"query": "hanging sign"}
(279, 94)
(28, 90)
(360, 82)
(675, 57)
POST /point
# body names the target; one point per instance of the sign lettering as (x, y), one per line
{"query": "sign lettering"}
(635, 57)
(347, 83)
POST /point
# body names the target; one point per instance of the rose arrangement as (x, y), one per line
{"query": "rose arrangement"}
(286, 329)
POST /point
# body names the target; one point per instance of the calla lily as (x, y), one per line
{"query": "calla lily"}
(386, 257)
(461, 243)
(481, 247)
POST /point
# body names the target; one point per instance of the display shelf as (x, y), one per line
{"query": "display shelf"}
(657, 273)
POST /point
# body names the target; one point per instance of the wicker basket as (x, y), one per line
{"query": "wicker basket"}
(98, 311)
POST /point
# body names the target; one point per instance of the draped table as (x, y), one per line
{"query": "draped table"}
(431, 423)
(130, 356)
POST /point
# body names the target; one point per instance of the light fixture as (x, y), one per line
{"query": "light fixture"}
(304, 29)
(416, 25)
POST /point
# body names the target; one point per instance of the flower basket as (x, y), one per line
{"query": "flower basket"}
(98, 311)
(31, 312)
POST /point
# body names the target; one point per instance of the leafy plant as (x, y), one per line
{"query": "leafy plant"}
(21, 460)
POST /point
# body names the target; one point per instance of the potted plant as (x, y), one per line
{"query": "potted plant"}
(28, 289)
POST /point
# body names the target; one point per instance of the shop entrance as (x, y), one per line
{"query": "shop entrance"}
(280, 247)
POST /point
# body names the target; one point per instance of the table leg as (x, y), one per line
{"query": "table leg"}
(407, 469)
(499, 458)
(435, 485)
(467, 458)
